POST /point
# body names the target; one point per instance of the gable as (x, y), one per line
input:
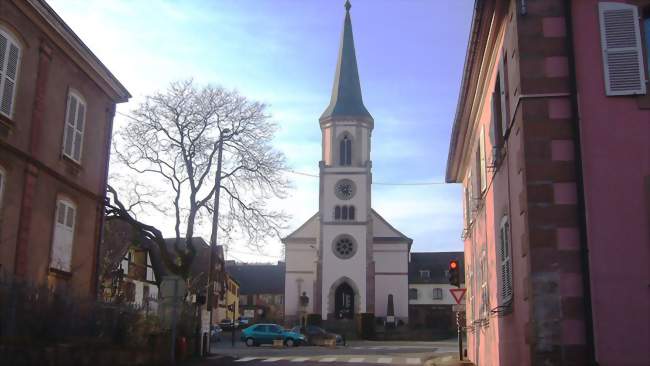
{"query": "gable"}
(308, 230)
(382, 231)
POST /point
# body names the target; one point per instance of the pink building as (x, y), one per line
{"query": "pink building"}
(551, 142)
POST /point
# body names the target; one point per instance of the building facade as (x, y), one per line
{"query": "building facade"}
(261, 290)
(430, 302)
(550, 142)
(57, 102)
(339, 255)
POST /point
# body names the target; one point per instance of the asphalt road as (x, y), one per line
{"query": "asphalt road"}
(355, 353)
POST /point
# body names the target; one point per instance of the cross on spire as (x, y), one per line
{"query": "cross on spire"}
(347, 5)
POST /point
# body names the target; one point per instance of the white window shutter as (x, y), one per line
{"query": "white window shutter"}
(482, 165)
(620, 37)
(9, 62)
(63, 237)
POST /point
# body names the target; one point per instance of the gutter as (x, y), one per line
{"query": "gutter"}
(462, 93)
(582, 213)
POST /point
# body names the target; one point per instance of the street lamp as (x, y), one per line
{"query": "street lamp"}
(215, 225)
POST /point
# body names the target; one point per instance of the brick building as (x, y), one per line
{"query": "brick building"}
(57, 102)
(551, 143)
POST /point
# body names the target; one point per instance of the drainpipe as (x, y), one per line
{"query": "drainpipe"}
(582, 213)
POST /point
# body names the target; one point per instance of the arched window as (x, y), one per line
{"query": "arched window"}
(345, 151)
(344, 212)
(337, 213)
(351, 213)
(9, 67)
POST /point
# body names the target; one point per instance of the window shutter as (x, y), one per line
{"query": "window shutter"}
(506, 262)
(79, 130)
(620, 38)
(9, 60)
(482, 164)
(505, 121)
(68, 137)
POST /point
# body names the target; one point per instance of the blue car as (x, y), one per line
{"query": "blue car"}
(267, 333)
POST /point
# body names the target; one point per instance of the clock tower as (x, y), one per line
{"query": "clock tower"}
(346, 257)
(345, 178)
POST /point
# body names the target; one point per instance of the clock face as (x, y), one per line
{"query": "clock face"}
(345, 189)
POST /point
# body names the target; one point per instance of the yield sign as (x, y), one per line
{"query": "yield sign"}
(458, 294)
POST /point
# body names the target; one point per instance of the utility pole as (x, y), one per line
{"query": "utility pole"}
(215, 226)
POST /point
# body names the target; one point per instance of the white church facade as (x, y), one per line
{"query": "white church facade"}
(346, 259)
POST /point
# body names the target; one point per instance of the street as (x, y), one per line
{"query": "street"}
(356, 352)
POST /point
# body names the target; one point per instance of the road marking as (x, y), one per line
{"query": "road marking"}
(356, 360)
(413, 361)
(245, 359)
(299, 359)
(327, 359)
(272, 359)
(385, 360)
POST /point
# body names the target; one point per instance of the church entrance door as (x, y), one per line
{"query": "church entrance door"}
(344, 302)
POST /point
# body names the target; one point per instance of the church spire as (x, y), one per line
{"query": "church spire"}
(346, 98)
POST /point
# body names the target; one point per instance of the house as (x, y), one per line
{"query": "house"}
(130, 266)
(197, 281)
(57, 103)
(550, 142)
(261, 291)
(231, 301)
(430, 302)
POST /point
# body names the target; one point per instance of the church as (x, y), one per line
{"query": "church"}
(346, 259)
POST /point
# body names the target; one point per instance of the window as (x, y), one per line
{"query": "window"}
(9, 67)
(280, 300)
(128, 258)
(468, 201)
(437, 294)
(506, 260)
(622, 52)
(74, 127)
(344, 247)
(345, 151)
(63, 236)
(425, 274)
(413, 294)
(150, 274)
(344, 213)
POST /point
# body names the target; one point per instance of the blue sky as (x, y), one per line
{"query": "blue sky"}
(283, 52)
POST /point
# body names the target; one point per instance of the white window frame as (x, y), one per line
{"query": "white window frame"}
(437, 293)
(485, 292)
(151, 278)
(482, 162)
(505, 258)
(11, 40)
(63, 232)
(126, 260)
(78, 128)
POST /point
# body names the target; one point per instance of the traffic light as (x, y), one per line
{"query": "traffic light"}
(453, 274)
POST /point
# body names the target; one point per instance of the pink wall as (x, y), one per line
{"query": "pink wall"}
(615, 136)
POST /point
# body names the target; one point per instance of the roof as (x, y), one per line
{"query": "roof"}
(115, 89)
(346, 98)
(258, 278)
(437, 264)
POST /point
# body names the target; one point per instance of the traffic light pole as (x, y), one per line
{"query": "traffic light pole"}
(460, 336)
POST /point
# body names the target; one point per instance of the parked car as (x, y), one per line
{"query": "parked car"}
(317, 336)
(266, 333)
(227, 324)
(245, 322)
(215, 333)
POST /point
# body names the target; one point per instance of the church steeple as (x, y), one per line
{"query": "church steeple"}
(346, 98)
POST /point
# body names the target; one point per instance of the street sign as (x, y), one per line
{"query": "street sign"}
(458, 294)
(172, 287)
(459, 308)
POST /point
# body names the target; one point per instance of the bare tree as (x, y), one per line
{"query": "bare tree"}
(172, 143)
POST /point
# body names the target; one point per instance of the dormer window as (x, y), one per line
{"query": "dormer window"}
(345, 151)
